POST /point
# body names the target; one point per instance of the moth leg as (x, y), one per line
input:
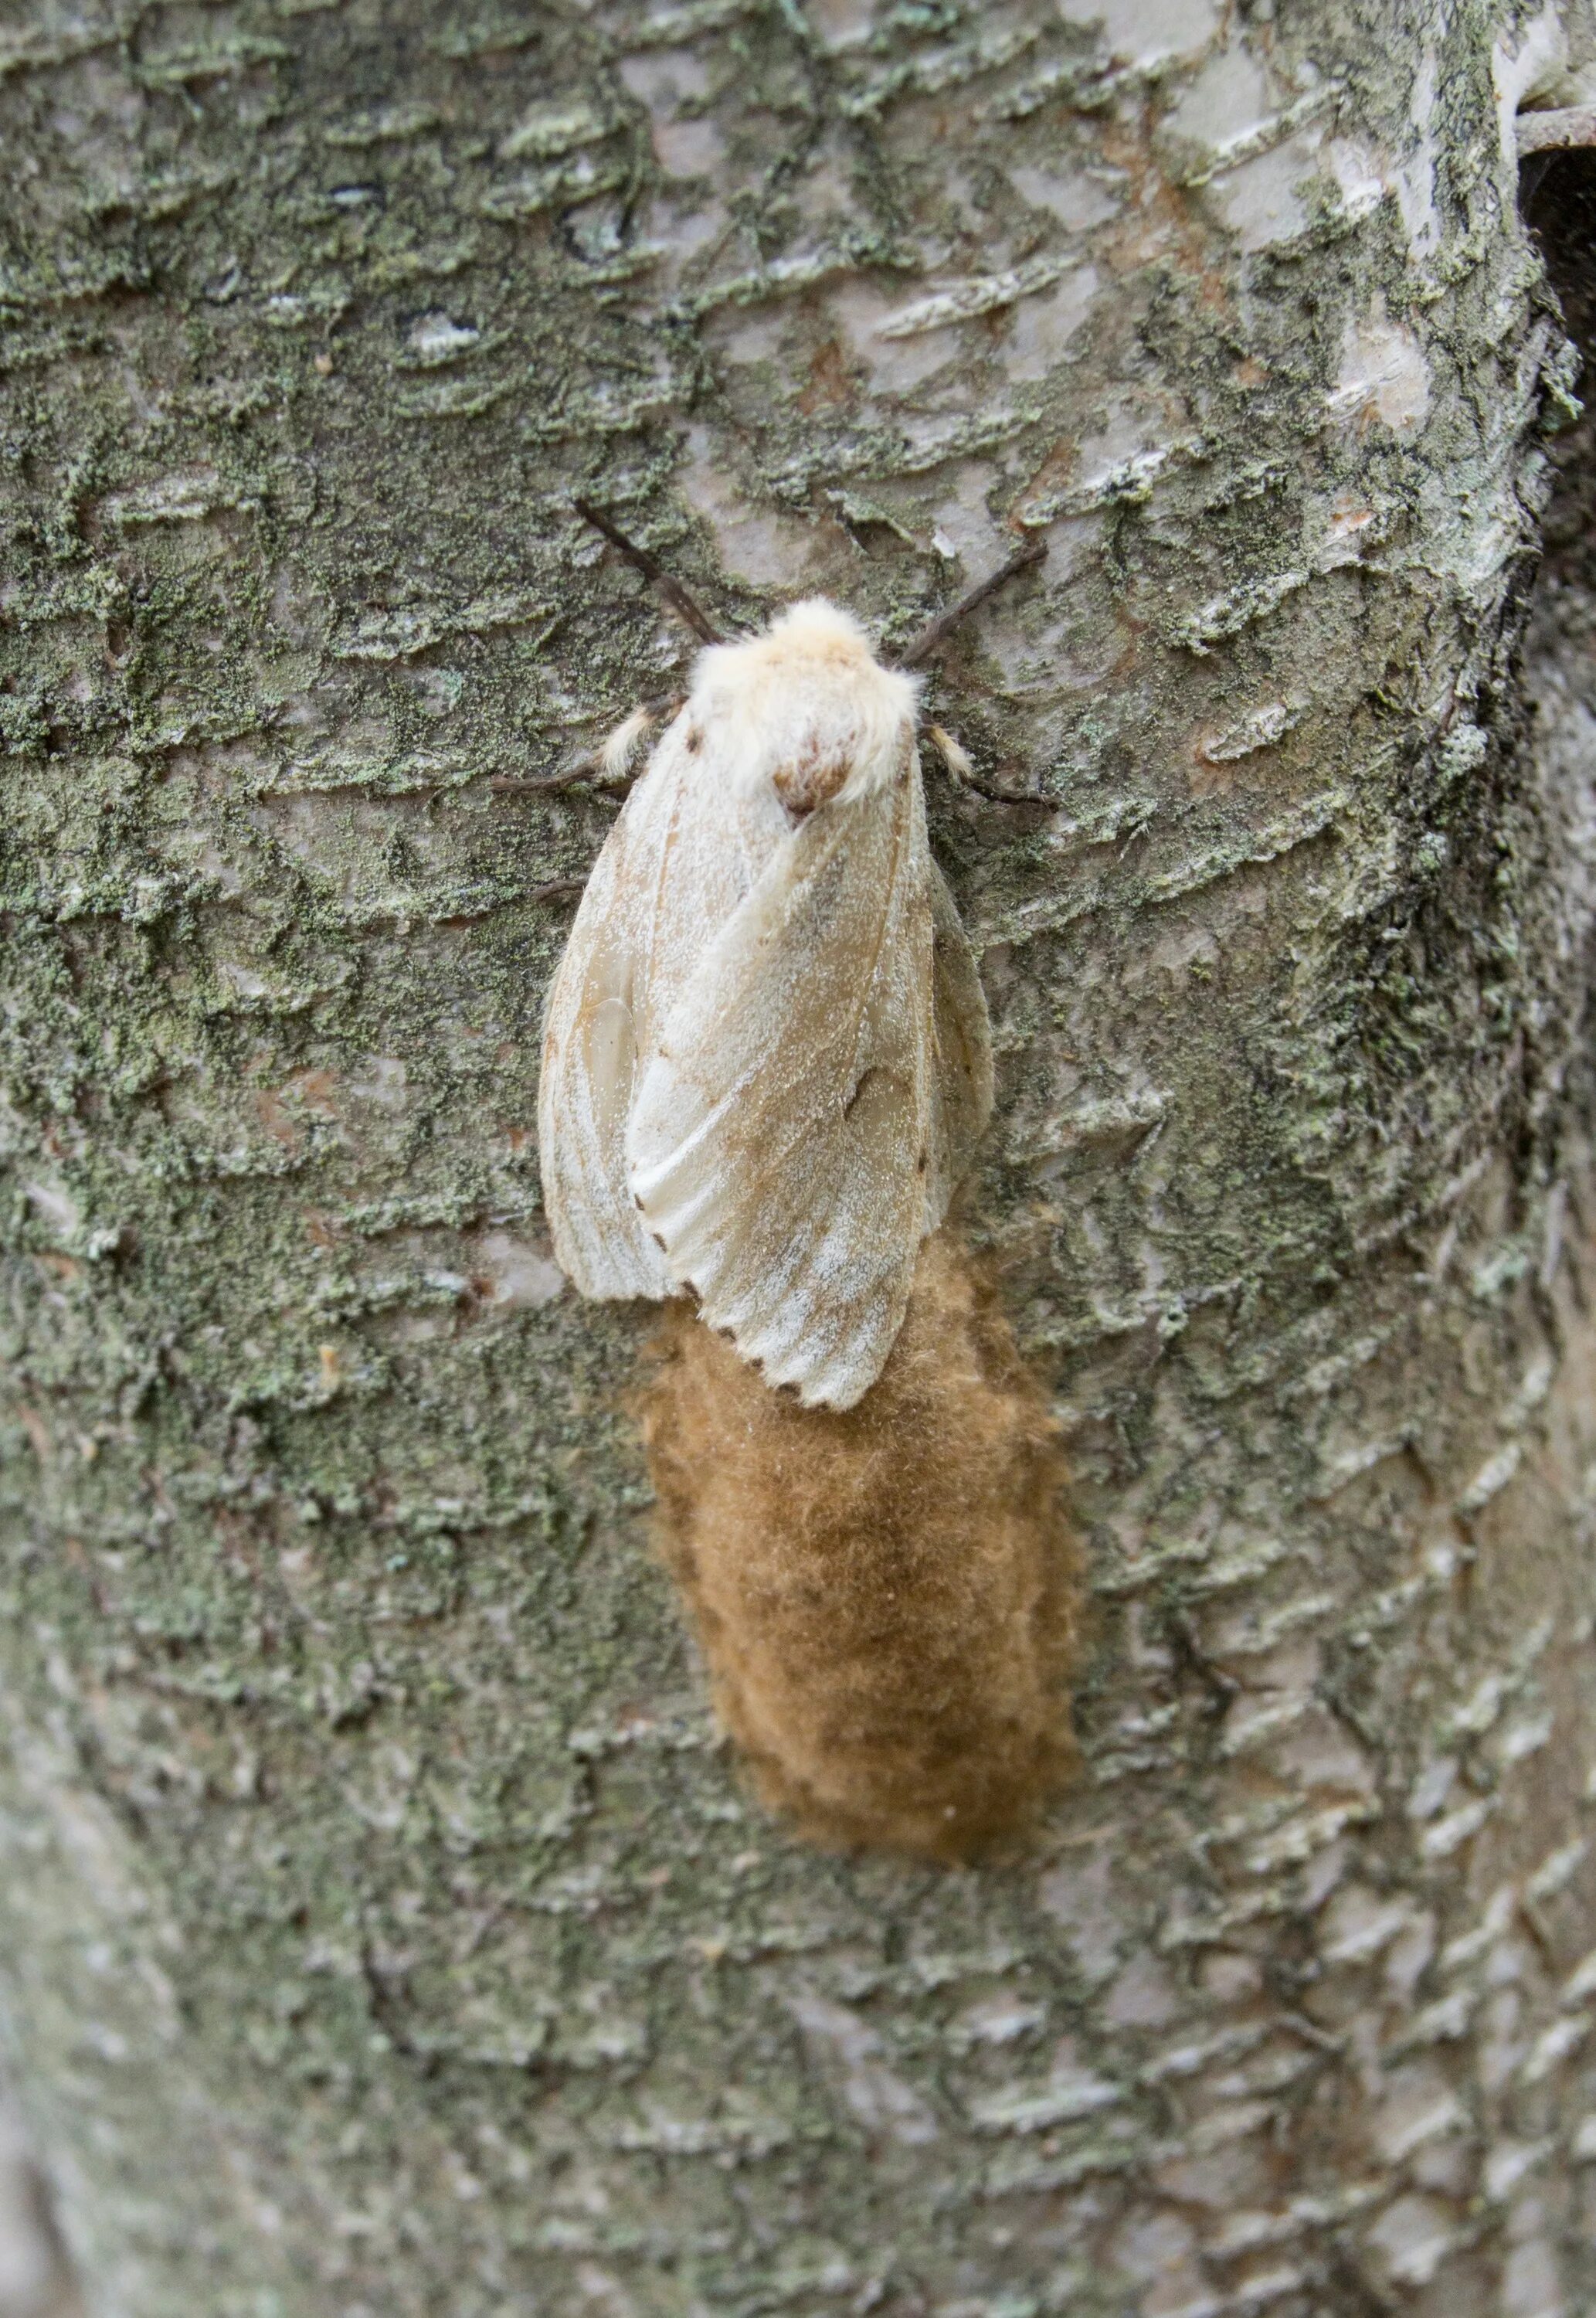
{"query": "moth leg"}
(964, 775)
(615, 755)
(954, 755)
(613, 767)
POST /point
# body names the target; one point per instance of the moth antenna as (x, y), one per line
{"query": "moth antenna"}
(953, 754)
(1033, 552)
(686, 607)
(614, 757)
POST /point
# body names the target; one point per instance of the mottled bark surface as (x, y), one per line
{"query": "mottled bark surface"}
(381, 1927)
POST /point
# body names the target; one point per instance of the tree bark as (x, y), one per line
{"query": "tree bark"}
(383, 1926)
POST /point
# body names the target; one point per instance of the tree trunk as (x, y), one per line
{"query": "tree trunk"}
(383, 1926)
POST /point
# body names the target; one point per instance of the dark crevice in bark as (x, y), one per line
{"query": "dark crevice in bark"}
(1561, 210)
(1560, 638)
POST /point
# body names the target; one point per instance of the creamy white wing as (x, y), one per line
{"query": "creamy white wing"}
(670, 872)
(779, 1146)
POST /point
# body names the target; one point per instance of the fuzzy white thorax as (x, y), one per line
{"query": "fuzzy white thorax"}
(809, 687)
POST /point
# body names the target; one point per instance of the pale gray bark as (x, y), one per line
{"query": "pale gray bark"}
(34, 2278)
(380, 1927)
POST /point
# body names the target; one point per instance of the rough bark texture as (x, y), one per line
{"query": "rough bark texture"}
(381, 1927)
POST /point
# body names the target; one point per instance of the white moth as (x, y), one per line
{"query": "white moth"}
(767, 1059)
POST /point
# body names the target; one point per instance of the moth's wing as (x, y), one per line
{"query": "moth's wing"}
(962, 1082)
(590, 1067)
(660, 885)
(779, 1142)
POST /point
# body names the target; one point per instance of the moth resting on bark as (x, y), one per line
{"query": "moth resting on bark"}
(766, 1059)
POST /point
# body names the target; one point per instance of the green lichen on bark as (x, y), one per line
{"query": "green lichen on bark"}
(385, 1928)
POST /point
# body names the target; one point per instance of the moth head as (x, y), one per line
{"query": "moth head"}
(806, 710)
